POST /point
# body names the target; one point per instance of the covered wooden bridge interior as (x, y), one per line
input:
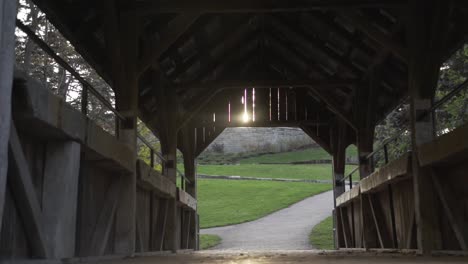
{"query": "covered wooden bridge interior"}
(188, 70)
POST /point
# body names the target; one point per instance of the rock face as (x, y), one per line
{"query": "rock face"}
(253, 139)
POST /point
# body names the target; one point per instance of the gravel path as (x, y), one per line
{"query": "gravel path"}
(286, 229)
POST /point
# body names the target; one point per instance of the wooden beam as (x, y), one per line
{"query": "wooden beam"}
(237, 39)
(7, 62)
(334, 107)
(100, 237)
(292, 123)
(232, 33)
(246, 6)
(447, 200)
(202, 147)
(283, 51)
(310, 132)
(427, 30)
(186, 200)
(338, 142)
(160, 226)
(198, 105)
(26, 197)
(314, 91)
(167, 37)
(60, 197)
(380, 224)
(366, 27)
(296, 34)
(369, 236)
(260, 84)
(345, 226)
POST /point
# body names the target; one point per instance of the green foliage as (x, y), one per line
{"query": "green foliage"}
(144, 152)
(321, 236)
(35, 62)
(226, 202)
(309, 172)
(453, 73)
(209, 241)
(449, 116)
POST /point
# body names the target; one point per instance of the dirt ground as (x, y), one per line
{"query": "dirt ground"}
(286, 257)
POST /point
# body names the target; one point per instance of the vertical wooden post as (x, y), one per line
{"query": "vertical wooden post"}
(121, 36)
(365, 141)
(60, 197)
(7, 61)
(168, 130)
(427, 33)
(189, 147)
(338, 146)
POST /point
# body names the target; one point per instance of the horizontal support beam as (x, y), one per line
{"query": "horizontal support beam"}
(186, 199)
(223, 85)
(291, 123)
(247, 6)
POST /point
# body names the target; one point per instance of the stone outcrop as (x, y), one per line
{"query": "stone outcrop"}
(251, 139)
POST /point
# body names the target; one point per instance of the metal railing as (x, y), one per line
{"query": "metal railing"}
(87, 87)
(349, 177)
(384, 146)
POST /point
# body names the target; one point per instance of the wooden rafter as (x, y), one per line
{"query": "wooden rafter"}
(247, 6)
(294, 32)
(330, 102)
(168, 36)
(291, 59)
(366, 27)
(217, 66)
(334, 107)
(208, 45)
(223, 85)
(234, 40)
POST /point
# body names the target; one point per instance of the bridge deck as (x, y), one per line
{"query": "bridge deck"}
(310, 256)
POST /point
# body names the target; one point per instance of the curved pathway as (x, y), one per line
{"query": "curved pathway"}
(285, 229)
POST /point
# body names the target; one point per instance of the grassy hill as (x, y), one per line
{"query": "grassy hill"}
(283, 157)
(295, 156)
(226, 202)
(309, 172)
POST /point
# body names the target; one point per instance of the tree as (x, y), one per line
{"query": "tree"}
(31, 59)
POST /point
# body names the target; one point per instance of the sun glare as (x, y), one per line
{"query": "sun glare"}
(245, 117)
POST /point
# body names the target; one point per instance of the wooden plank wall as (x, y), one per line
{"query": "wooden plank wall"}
(151, 222)
(397, 226)
(13, 239)
(95, 184)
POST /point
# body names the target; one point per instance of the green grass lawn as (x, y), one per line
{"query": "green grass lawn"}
(321, 236)
(294, 156)
(309, 171)
(209, 241)
(226, 202)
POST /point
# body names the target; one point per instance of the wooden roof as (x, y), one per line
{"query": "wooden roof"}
(319, 56)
